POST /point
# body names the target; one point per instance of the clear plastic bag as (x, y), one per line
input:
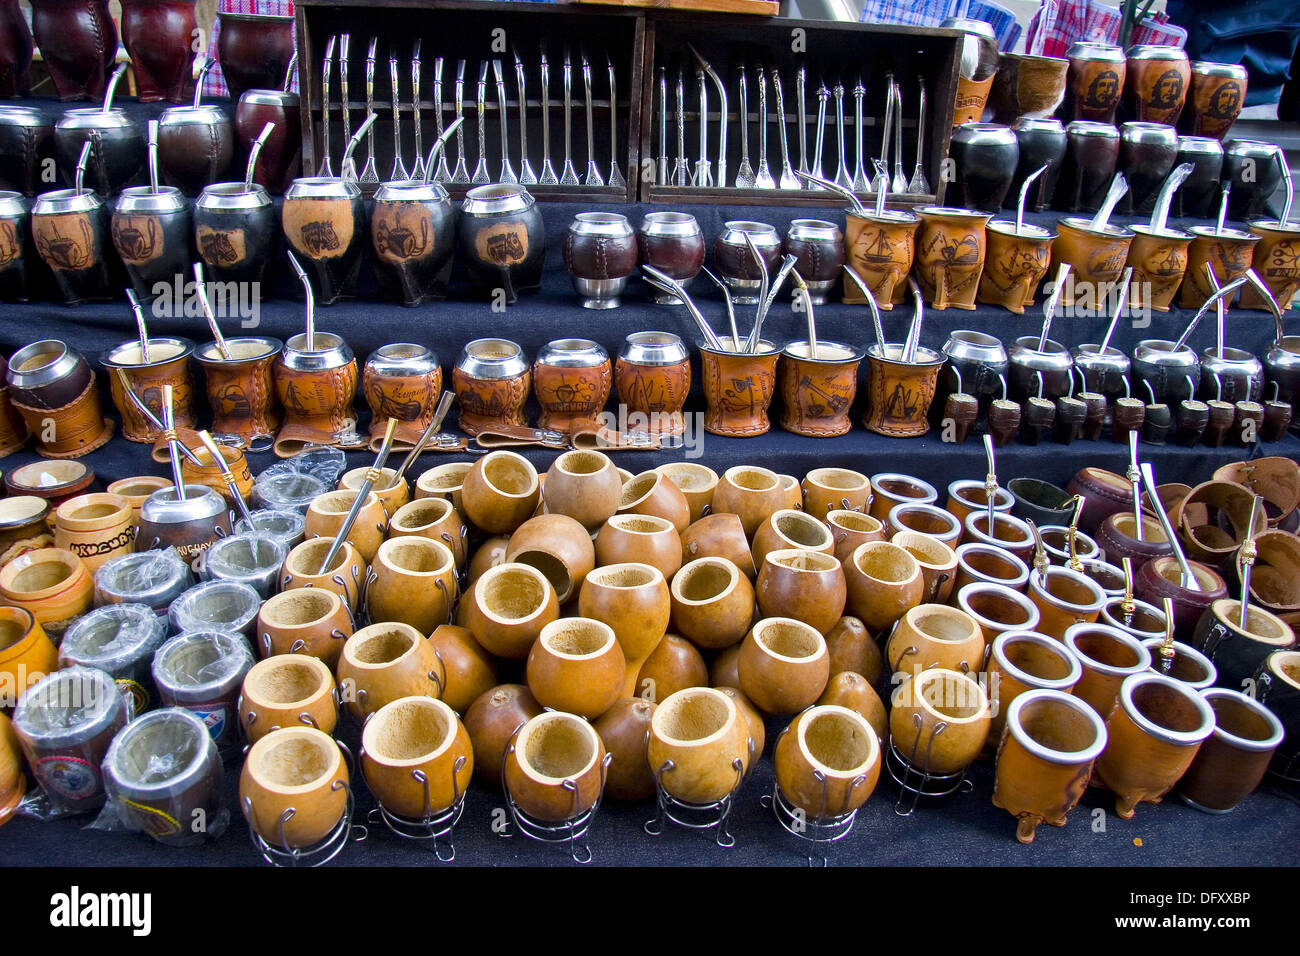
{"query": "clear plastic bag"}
(216, 605)
(119, 639)
(153, 578)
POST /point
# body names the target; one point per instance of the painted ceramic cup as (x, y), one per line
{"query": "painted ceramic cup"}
(1046, 758)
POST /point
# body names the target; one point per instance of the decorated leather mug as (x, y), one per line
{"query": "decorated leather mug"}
(950, 252)
(899, 393)
(673, 243)
(315, 382)
(880, 250)
(297, 769)
(416, 757)
(1015, 263)
(1159, 261)
(571, 379)
(491, 380)
(1276, 259)
(978, 64)
(1097, 257)
(501, 238)
(309, 621)
(95, 527)
(1239, 652)
(412, 228)
(818, 389)
(1045, 758)
(287, 690)
(385, 662)
(1154, 734)
(1228, 252)
(324, 221)
(1216, 94)
(600, 252)
(1095, 81)
(738, 387)
(240, 389)
(819, 249)
(402, 381)
(653, 377)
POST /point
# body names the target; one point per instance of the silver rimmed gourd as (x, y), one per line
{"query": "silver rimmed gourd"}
(118, 147)
(324, 221)
(600, 253)
(26, 142)
(412, 231)
(70, 231)
(235, 230)
(152, 234)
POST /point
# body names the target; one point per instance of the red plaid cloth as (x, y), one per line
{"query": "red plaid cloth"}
(1094, 20)
(215, 84)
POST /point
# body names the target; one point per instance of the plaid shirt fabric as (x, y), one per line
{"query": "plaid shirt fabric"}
(930, 13)
(1094, 20)
(215, 84)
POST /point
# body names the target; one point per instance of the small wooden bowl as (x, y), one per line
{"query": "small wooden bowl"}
(699, 745)
(625, 730)
(935, 635)
(827, 761)
(835, 489)
(51, 583)
(310, 621)
(808, 586)
(712, 603)
(653, 493)
(555, 767)
(413, 737)
(510, 605)
(492, 721)
(500, 492)
(299, 768)
(697, 482)
(884, 582)
(719, 536)
(675, 664)
(641, 539)
(852, 528)
(752, 493)
(576, 666)
(384, 662)
(788, 528)
(584, 485)
(938, 563)
(287, 690)
(559, 547)
(433, 518)
(633, 600)
(783, 665)
(939, 697)
(468, 669)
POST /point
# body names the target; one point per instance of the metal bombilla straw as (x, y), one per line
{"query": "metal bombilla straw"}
(140, 328)
(1167, 644)
(79, 176)
(847, 194)
(153, 156)
(991, 483)
(668, 284)
(435, 424)
(355, 141)
(1127, 604)
(1024, 195)
(1049, 307)
(208, 63)
(1223, 207)
(254, 152)
(802, 288)
(1134, 476)
(169, 432)
(120, 72)
(1119, 310)
(1165, 198)
(1149, 483)
(871, 304)
(1218, 296)
(1118, 187)
(1076, 563)
(914, 330)
(311, 301)
(436, 149)
(731, 307)
(756, 334)
(1246, 556)
(215, 329)
(1290, 189)
(227, 478)
(372, 475)
(147, 412)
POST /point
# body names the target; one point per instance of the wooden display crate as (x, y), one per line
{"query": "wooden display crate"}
(477, 31)
(829, 52)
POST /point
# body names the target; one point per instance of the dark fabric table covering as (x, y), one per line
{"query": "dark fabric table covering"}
(966, 829)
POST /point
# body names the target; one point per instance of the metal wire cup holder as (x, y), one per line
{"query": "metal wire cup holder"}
(572, 830)
(917, 782)
(325, 849)
(822, 828)
(698, 816)
(436, 826)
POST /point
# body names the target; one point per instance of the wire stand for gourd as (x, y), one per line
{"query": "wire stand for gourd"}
(912, 777)
(572, 830)
(435, 826)
(697, 816)
(823, 828)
